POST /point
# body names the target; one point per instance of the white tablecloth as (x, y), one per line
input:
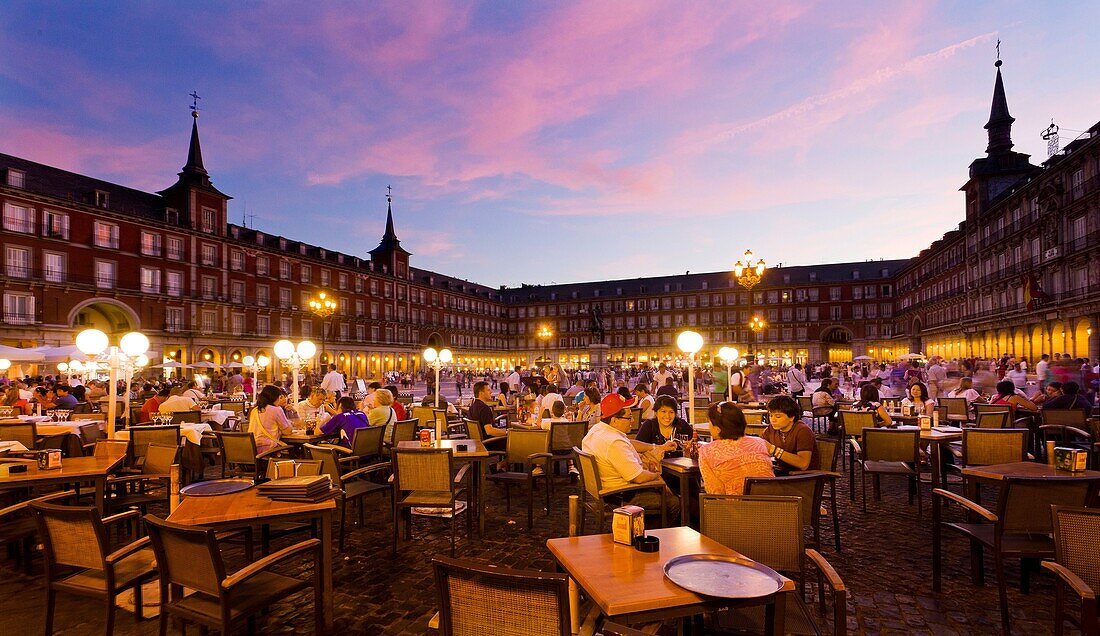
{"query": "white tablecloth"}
(219, 416)
(36, 418)
(188, 431)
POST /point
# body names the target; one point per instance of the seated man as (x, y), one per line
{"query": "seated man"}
(620, 458)
(177, 402)
(482, 413)
(194, 391)
(314, 405)
(152, 405)
(1069, 398)
(65, 398)
(789, 441)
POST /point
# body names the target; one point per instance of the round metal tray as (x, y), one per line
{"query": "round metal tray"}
(723, 576)
(216, 487)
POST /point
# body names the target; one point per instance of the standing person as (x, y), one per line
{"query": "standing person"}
(721, 384)
(796, 380)
(936, 376)
(458, 384)
(267, 422)
(1017, 375)
(1042, 370)
(732, 456)
(662, 376)
(333, 382)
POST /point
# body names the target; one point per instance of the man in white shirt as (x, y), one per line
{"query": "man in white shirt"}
(176, 403)
(314, 406)
(333, 382)
(796, 380)
(662, 375)
(619, 457)
(1041, 370)
(936, 376)
(193, 391)
(515, 382)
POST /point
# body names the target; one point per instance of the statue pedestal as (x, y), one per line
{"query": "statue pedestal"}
(597, 355)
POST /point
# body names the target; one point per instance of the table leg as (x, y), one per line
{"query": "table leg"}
(480, 479)
(100, 494)
(936, 458)
(326, 573)
(778, 613)
(685, 494)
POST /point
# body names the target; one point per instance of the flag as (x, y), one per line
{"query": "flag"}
(1034, 296)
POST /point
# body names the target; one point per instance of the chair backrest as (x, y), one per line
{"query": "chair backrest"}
(565, 435)
(701, 415)
(1075, 532)
(766, 529)
(104, 447)
(237, 447)
(329, 464)
(424, 415)
(991, 419)
(102, 417)
(853, 422)
(590, 472)
(807, 487)
(522, 443)
(987, 446)
(826, 453)
(72, 536)
(754, 419)
(755, 430)
(439, 418)
(1024, 503)
(806, 403)
(24, 433)
(635, 420)
(891, 445)
(1065, 417)
(479, 599)
(404, 431)
(159, 459)
(187, 555)
(955, 405)
(422, 469)
(236, 407)
(367, 441)
(91, 433)
(474, 430)
(142, 436)
(991, 408)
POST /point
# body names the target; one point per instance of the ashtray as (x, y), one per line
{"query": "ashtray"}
(647, 543)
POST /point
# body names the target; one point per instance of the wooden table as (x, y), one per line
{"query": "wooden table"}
(936, 438)
(998, 472)
(477, 457)
(630, 587)
(74, 470)
(249, 507)
(299, 438)
(685, 469)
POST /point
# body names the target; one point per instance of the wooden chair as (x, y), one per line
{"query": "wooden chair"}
(76, 537)
(827, 453)
(806, 486)
(636, 420)
(768, 530)
(991, 408)
(755, 419)
(563, 437)
(367, 445)
(151, 486)
(1020, 529)
(187, 417)
(17, 526)
(955, 406)
(988, 446)
(529, 449)
(352, 484)
(1077, 565)
(992, 419)
(239, 456)
(189, 556)
(89, 435)
(890, 452)
(424, 416)
(402, 431)
(142, 436)
(596, 498)
(1065, 436)
(422, 478)
(475, 432)
(852, 425)
(755, 430)
(479, 599)
(25, 433)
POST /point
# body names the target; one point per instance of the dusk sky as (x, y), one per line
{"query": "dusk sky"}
(548, 142)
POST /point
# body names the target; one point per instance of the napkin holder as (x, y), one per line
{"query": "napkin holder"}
(49, 459)
(627, 524)
(1071, 459)
(925, 422)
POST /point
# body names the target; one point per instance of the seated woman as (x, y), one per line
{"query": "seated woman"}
(345, 421)
(919, 400)
(869, 401)
(789, 441)
(1006, 394)
(383, 414)
(505, 397)
(824, 404)
(267, 422)
(966, 390)
(732, 456)
(16, 401)
(590, 406)
(665, 426)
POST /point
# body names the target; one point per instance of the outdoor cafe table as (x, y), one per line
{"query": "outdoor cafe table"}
(249, 507)
(478, 458)
(188, 431)
(630, 587)
(936, 437)
(299, 438)
(998, 472)
(685, 469)
(74, 470)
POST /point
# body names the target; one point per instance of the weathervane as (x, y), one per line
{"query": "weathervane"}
(998, 50)
(389, 194)
(195, 104)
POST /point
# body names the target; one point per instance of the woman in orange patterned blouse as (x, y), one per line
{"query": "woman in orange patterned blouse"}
(732, 456)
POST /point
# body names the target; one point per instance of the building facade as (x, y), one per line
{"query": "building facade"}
(1019, 275)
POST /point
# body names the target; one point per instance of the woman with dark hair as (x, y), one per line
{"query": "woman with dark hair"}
(665, 426)
(732, 456)
(268, 421)
(1006, 394)
(346, 421)
(504, 398)
(590, 406)
(919, 400)
(869, 401)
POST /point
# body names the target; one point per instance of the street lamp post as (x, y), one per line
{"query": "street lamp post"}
(128, 355)
(545, 334)
(748, 276)
(728, 356)
(690, 342)
(255, 364)
(295, 358)
(323, 307)
(436, 360)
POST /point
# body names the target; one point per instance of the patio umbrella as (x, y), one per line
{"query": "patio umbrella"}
(204, 365)
(911, 356)
(170, 365)
(862, 358)
(15, 354)
(232, 365)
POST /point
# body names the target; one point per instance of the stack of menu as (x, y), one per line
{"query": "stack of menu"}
(307, 489)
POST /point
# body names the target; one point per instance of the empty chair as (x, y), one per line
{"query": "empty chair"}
(852, 424)
(992, 419)
(1077, 564)
(956, 406)
(151, 485)
(189, 557)
(827, 453)
(528, 450)
(24, 433)
(142, 436)
(988, 446)
(89, 435)
(17, 526)
(402, 431)
(239, 456)
(425, 478)
(806, 486)
(478, 599)
(353, 484)
(187, 417)
(890, 452)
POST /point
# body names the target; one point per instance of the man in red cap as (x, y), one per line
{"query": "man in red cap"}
(619, 457)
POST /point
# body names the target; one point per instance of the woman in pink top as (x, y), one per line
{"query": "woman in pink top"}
(732, 456)
(267, 422)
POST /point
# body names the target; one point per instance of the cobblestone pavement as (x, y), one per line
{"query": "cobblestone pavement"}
(886, 563)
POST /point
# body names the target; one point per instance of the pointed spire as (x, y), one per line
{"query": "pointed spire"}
(194, 151)
(390, 234)
(999, 126)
